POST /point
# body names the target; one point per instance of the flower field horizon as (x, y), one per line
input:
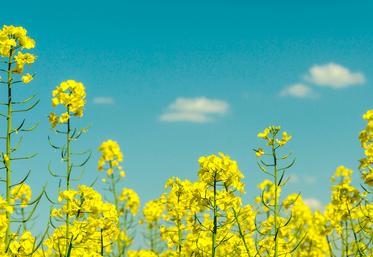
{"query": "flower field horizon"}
(209, 213)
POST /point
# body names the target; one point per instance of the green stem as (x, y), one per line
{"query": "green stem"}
(102, 243)
(153, 243)
(330, 247)
(8, 148)
(241, 233)
(68, 140)
(114, 190)
(310, 247)
(275, 214)
(68, 170)
(346, 241)
(124, 246)
(353, 230)
(179, 232)
(23, 218)
(343, 250)
(214, 230)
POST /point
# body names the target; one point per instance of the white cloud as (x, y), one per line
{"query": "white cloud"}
(299, 91)
(185, 116)
(313, 203)
(197, 110)
(302, 179)
(334, 75)
(309, 179)
(199, 104)
(103, 100)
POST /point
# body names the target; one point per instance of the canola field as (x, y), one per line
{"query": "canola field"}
(206, 217)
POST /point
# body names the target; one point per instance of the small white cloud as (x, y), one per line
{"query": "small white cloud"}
(309, 179)
(199, 105)
(299, 91)
(303, 179)
(334, 75)
(197, 110)
(103, 100)
(313, 203)
(185, 116)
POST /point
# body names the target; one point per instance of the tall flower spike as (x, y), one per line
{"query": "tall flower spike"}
(269, 198)
(14, 43)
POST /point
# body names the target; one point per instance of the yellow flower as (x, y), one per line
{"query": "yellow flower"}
(6, 158)
(55, 213)
(55, 102)
(21, 59)
(259, 152)
(368, 115)
(64, 117)
(53, 119)
(27, 78)
(285, 138)
(264, 134)
(368, 178)
(109, 171)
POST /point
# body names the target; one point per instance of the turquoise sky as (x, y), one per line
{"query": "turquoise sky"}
(174, 80)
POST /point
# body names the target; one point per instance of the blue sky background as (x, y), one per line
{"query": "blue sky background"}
(143, 55)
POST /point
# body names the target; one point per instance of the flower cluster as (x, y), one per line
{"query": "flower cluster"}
(349, 213)
(220, 169)
(366, 140)
(71, 95)
(4, 207)
(92, 224)
(13, 40)
(271, 132)
(152, 212)
(130, 200)
(111, 156)
(20, 243)
(12, 37)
